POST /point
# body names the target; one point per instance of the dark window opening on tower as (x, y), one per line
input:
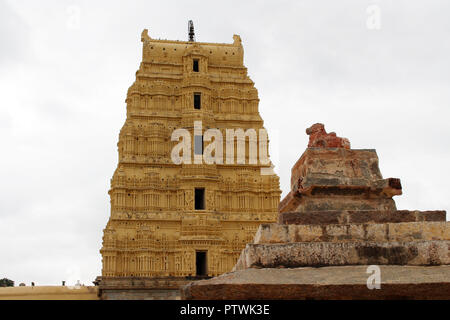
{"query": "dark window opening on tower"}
(199, 198)
(197, 100)
(195, 66)
(200, 263)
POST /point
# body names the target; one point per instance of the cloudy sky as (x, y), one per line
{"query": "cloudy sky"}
(377, 72)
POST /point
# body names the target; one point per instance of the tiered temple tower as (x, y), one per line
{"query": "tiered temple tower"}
(182, 220)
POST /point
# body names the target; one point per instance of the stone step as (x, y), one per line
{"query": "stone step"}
(318, 254)
(404, 231)
(359, 216)
(347, 282)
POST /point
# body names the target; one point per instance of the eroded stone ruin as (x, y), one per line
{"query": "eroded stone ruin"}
(338, 224)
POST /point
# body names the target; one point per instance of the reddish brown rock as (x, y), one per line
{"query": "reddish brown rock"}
(319, 138)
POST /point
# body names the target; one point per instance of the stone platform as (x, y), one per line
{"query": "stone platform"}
(345, 283)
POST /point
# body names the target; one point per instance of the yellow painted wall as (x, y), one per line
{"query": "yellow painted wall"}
(49, 293)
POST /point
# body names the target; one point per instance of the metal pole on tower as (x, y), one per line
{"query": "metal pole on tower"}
(191, 32)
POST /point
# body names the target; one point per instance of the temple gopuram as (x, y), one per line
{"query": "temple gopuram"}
(173, 223)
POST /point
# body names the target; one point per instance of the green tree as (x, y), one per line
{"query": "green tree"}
(6, 283)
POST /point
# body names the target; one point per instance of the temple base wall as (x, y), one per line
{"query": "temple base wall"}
(142, 288)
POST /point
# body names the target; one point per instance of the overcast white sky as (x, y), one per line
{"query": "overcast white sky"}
(63, 86)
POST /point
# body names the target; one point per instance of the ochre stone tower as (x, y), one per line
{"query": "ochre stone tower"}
(170, 220)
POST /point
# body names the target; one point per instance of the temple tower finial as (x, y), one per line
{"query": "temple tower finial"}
(191, 32)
